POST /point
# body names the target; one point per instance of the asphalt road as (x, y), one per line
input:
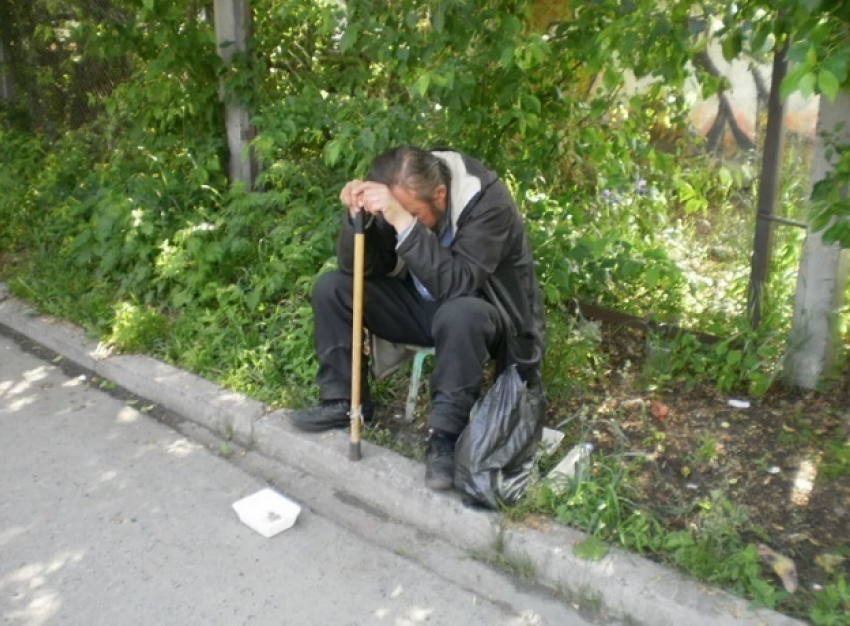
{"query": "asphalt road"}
(109, 516)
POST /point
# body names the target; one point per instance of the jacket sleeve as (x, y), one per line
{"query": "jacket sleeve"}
(478, 248)
(380, 241)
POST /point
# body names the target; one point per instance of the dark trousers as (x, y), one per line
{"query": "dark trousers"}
(465, 332)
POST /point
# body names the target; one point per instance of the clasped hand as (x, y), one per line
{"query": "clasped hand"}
(375, 199)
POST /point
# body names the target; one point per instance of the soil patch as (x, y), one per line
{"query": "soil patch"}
(783, 460)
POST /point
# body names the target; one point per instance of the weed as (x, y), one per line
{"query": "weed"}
(573, 356)
(521, 567)
(589, 601)
(137, 328)
(831, 604)
(599, 505)
(655, 440)
(711, 549)
(836, 459)
(384, 437)
(708, 451)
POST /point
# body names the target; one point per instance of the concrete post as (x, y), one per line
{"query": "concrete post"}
(232, 25)
(813, 342)
(6, 84)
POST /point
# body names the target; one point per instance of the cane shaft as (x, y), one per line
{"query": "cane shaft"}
(357, 337)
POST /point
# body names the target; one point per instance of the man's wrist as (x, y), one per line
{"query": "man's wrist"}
(401, 235)
(403, 222)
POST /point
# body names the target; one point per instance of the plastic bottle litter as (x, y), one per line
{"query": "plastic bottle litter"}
(574, 465)
(550, 441)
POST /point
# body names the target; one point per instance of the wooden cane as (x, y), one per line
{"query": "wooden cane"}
(356, 411)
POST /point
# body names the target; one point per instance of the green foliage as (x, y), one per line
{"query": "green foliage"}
(819, 50)
(125, 222)
(831, 605)
(713, 549)
(814, 35)
(21, 159)
(606, 249)
(573, 358)
(137, 329)
(138, 204)
(831, 206)
(836, 459)
(269, 358)
(385, 438)
(747, 361)
(601, 507)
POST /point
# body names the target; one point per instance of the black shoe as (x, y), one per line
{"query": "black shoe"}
(327, 416)
(440, 462)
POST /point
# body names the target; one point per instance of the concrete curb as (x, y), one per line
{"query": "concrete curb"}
(622, 585)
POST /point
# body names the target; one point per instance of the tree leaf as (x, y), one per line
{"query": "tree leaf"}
(782, 566)
(659, 410)
(332, 151)
(732, 45)
(421, 85)
(838, 62)
(349, 37)
(791, 82)
(807, 84)
(829, 562)
(828, 84)
(506, 57)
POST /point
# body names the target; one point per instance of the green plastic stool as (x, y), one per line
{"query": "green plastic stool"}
(419, 354)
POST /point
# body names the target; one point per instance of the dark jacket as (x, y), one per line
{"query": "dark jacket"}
(489, 255)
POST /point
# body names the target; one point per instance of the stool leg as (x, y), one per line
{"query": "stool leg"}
(413, 390)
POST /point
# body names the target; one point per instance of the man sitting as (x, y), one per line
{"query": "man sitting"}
(441, 229)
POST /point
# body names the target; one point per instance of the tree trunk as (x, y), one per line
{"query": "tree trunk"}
(813, 342)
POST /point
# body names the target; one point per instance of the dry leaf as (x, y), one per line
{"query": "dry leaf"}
(782, 565)
(829, 562)
(659, 410)
(633, 404)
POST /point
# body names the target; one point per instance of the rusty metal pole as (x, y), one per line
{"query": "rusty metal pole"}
(774, 142)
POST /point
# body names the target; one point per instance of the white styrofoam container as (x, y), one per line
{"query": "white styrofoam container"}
(267, 512)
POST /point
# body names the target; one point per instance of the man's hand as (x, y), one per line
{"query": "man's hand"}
(375, 199)
(350, 197)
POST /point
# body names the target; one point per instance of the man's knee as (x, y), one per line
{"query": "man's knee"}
(329, 285)
(466, 314)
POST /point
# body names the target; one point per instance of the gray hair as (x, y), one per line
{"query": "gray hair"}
(411, 168)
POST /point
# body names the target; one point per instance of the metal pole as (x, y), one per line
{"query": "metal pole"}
(774, 140)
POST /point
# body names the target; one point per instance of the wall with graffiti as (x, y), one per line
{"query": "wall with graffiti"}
(732, 120)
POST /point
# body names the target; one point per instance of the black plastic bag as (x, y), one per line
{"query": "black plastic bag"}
(495, 453)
